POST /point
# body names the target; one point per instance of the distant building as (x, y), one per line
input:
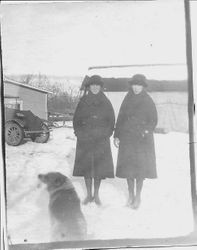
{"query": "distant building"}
(25, 97)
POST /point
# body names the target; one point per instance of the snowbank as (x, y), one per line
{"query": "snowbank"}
(165, 211)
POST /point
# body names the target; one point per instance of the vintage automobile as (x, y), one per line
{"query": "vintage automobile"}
(20, 124)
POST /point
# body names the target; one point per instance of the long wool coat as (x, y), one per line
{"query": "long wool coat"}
(136, 122)
(93, 125)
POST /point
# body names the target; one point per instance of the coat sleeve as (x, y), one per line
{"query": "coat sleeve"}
(111, 118)
(105, 126)
(152, 116)
(76, 118)
(121, 117)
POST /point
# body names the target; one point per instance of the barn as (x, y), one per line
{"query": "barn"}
(170, 97)
(25, 97)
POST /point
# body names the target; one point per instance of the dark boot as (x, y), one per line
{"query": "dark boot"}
(97, 183)
(89, 198)
(130, 183)
(137, 200)
(136, 203)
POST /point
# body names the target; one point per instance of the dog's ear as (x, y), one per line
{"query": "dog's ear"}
(40, 176)
(59, 180)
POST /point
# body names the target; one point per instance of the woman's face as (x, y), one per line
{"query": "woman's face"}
(137, 89)
(95, 89)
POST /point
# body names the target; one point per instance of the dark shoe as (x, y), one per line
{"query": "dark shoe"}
(130, 202)
(87, 200)
(136, 203)
(97, 201)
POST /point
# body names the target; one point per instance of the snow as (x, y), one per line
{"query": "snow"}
(166, 209)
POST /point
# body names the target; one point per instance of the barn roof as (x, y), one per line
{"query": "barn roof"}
(121, 85)
(6, 80)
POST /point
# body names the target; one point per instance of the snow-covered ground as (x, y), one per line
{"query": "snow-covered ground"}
(165, 211)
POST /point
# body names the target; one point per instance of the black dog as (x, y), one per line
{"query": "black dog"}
(67, 219)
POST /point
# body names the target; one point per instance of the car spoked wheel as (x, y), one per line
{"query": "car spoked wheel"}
(13, 134)
(42, 138)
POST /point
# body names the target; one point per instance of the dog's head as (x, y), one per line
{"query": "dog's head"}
(54, 180)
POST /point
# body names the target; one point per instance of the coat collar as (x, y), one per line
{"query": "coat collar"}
(141, 94)
(92, 99)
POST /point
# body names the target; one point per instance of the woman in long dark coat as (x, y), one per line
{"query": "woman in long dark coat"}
(93, 125)
(133, 135)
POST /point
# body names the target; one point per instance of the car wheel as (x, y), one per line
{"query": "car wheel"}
(42, 138)
(13, 134)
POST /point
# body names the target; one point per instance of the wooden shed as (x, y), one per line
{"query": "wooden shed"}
(25, 97)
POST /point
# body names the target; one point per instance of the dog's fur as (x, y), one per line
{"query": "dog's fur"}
(67, 219)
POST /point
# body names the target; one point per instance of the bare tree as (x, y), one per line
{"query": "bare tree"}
(26, 79)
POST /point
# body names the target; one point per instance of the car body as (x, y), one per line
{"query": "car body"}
(20, 124)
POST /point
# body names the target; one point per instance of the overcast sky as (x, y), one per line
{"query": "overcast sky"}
(65, 38)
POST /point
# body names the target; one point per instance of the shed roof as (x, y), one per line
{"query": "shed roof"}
(6, 80)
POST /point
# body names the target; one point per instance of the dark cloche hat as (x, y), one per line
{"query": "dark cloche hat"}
(96, 80)
(138, 79)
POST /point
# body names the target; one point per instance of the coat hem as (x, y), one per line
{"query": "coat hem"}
(100, 177)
